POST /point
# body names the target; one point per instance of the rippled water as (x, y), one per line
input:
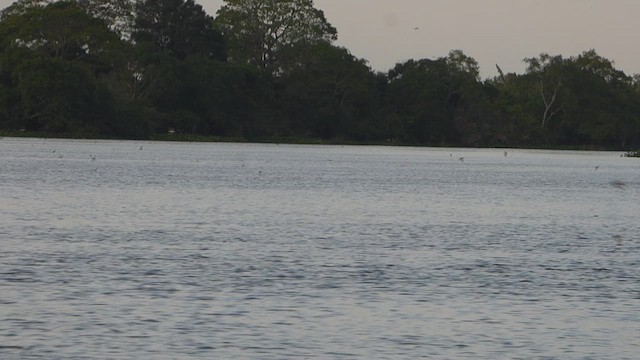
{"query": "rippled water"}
(138, 250)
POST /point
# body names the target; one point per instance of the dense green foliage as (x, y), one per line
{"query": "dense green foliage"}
(269, 33)
(266, 69)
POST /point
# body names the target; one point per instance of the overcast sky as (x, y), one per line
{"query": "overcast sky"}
(492, 31)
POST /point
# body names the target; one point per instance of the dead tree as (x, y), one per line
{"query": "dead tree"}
(549, 101)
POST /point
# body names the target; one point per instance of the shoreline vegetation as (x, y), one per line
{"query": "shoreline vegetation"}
(166, 70)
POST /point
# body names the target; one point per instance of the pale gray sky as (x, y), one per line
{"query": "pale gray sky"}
(491, 31)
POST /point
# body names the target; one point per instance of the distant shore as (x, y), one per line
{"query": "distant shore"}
(298, 141)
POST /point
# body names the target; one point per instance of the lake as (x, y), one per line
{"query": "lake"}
(140, 250)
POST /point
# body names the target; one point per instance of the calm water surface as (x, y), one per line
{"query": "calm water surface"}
(140, 250)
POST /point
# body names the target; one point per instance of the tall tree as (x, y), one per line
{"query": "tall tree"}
(420, 100)
(19, 7)
(548, 70)
(514, 105)
(435, 100)
(53, 56)
(582, 100)
(329, 95)
(178, 28)
(466, 96)
(264, 33)
(63, 30)
(600, 106)
(118, 14)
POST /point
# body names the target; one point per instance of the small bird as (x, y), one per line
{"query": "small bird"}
(596, 168)
(461, 159)
(416, 28)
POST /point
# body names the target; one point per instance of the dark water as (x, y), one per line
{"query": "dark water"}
(132, 250)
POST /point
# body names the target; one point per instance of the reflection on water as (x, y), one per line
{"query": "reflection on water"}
(120, 250)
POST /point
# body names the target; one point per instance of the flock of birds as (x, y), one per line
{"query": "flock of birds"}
(615, 183)
(461, 159)
(618, 184)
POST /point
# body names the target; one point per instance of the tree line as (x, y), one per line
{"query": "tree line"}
(268, 70)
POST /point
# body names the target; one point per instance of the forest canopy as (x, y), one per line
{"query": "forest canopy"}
(268, 70)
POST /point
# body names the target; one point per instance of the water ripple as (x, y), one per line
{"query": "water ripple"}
(188, 251)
